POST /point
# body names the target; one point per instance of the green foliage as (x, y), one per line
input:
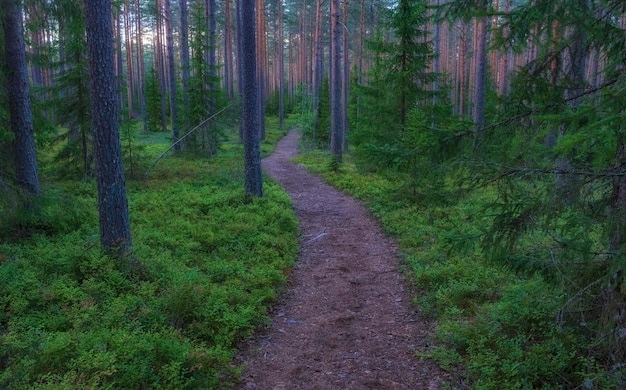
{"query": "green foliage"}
(153, 102)
(504, 317)
(208, 265)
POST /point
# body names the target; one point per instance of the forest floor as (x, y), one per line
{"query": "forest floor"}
(346, 319)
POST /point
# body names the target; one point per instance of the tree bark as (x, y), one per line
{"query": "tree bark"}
(169, 40)
(184, 54)
(345, 79)
(336, 139)
(25, 153)
(112, 202)
(249, 101)
(260, 64)
(281, 67)
(228, 50)
(480, 78)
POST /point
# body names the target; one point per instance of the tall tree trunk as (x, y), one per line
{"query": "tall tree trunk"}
(119, 61)
(480, 78)
(112, 202)
(462, 73)
(211, 53)
(318, 74)
(281, 67)
(169, 38)
(228, 50)
(25, 153)
(336, 140)
(160, 60)
(345, 79)
(184, 56)
(249, 99)
(240, 56)
(140, 70)
(260, 64)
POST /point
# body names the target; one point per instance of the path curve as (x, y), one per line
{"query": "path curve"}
(345, 321)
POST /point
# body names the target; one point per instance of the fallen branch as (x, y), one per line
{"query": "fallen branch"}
(145, 175)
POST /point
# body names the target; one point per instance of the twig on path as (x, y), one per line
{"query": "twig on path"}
(317, 237)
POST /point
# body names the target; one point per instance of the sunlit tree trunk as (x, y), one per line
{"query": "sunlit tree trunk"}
(112, 202)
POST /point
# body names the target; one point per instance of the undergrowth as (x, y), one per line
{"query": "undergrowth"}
(497, 326)
(209, 264)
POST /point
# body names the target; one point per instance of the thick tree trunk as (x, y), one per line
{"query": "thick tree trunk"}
(249, 100)
(112, 203)
(25, 154)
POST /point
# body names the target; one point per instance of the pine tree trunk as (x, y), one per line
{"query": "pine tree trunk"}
(249, 97)
(160, 66)
(462, 69)
(169, 38)
(184, 56)
(112, 202)
(318, 73)
(228, 50)
(140, 70)
(345, 80)
(25, 153)
(260, 65)
(281, 67)
(336, 141)
(480, 78)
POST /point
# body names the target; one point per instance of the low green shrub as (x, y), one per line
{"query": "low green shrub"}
(209, 264)
(497, 325)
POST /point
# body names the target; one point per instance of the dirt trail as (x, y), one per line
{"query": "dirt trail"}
(346, 321)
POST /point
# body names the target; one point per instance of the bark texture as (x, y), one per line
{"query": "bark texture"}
(112, 202)
(25, 154)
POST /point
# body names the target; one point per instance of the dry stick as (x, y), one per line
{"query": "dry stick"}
(145, 175)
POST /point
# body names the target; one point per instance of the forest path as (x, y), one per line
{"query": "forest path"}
(346, 320)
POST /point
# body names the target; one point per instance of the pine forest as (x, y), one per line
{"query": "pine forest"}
(141, 244)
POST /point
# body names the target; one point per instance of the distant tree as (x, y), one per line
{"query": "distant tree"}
(25, 154)
(249, 100)
(112, 202)
(400, 79)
